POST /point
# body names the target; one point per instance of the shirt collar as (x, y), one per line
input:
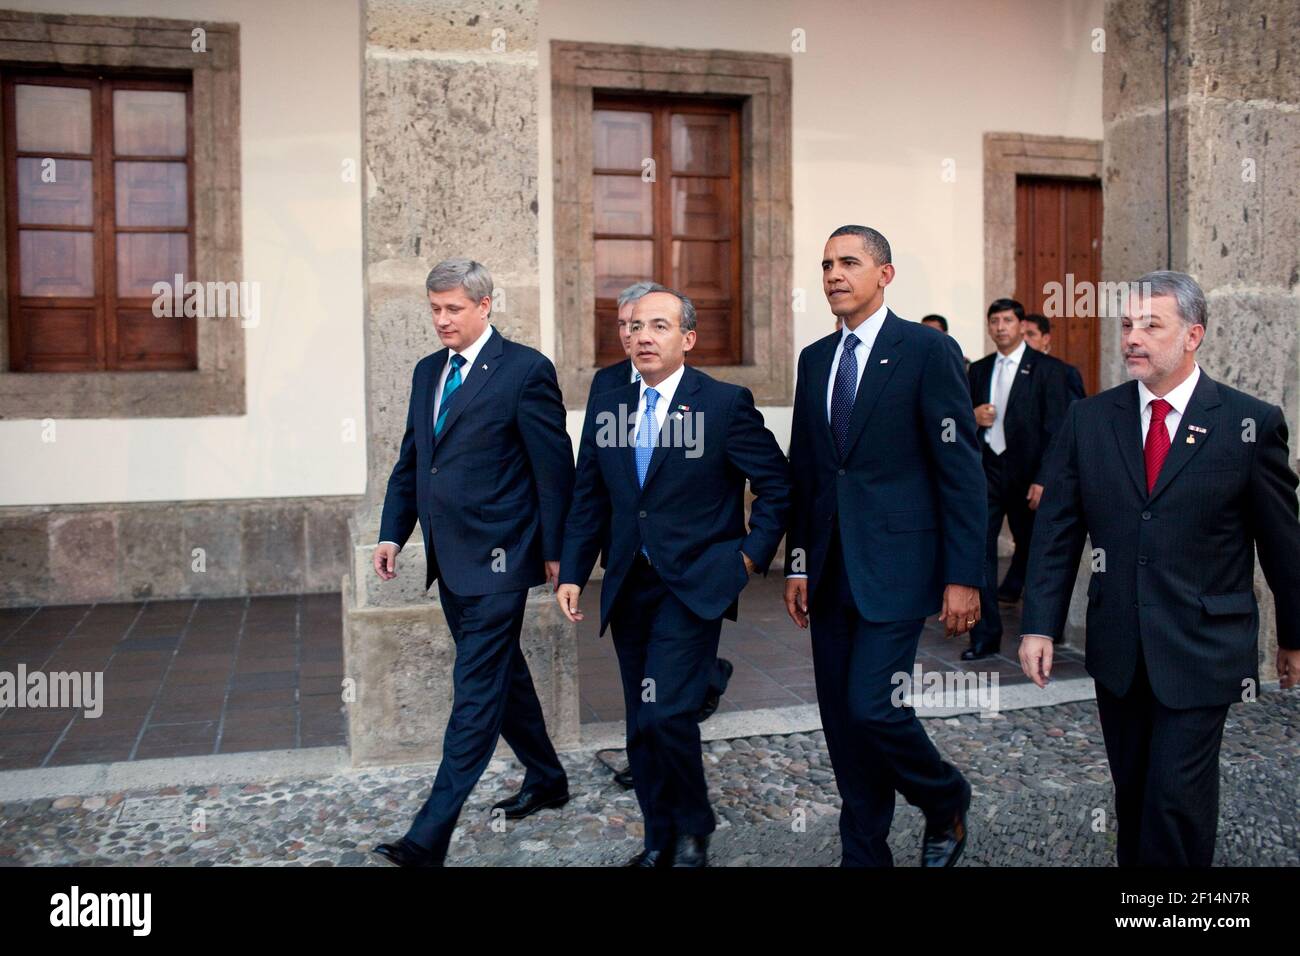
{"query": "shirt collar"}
(868, 330)
(666, 389)
(1177, 397)
(470, 352)
(1016, 356)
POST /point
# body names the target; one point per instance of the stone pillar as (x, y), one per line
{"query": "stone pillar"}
(1234, 103)
(450, 163)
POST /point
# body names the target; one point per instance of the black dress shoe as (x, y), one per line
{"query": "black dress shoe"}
(649, 858)
(725, 667)
(527, 802)
(406, 853)
(977, 654)
(943, 842)
(624, 779)
(691, 851)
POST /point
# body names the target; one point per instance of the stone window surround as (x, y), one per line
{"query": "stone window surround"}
(1006, 156)
(764, 80)
(44, 41)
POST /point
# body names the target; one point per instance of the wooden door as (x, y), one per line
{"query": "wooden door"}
(1058, 240)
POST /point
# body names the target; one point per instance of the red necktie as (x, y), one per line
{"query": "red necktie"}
(1157, 446)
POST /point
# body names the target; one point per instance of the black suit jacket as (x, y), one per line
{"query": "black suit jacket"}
(1179, 562)
(491, 493)
(909, 496)
(691, 511)
(606, 379)
(1040, 394)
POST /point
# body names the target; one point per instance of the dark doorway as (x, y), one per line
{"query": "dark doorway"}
(1058, 240)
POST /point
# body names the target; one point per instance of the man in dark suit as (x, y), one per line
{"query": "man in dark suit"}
(663, 465)
(1178, 480)
(1020, 397)
(1037, 330)
(619, 375)
(887, 524)
(486, 466)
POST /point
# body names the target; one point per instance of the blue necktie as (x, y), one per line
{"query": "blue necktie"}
(846, 387)
(453, 383)
(645, 443)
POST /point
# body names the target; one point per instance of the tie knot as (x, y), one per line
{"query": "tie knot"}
(651, 396)
(851, 342)
(1159, 409)
(458, 360)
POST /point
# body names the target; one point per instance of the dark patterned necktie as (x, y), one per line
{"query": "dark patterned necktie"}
(452, 383)
(846, 387)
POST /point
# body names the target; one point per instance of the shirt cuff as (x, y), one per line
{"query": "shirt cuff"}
(393, 543)
(788, 576)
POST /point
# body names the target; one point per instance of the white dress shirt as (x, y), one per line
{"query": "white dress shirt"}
(1005, 368)
(1178, 398)
(666, 389)
(866, 333)
(470, 352)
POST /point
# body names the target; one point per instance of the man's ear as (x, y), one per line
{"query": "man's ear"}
(688, 341)
(886, 274)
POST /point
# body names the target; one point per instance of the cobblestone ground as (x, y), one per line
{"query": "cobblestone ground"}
(1042, 796)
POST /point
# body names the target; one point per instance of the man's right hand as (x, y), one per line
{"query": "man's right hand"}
(796, 600)
(386, 561)
(1036, 657)
(566, 595)
(985, 415)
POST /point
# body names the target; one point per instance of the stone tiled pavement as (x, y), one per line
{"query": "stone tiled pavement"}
(1039, 776)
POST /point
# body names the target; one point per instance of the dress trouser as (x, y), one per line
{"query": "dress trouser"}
(1006, 500)
(1165, 764)
(876, 748)
(494, 697)
(666, 660)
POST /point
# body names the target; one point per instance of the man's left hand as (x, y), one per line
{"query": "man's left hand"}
(553, 574)
(961, 608)
(749, 565)
(1034, 497)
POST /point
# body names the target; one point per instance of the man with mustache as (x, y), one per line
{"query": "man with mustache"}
(1178, 480)
(887, 525)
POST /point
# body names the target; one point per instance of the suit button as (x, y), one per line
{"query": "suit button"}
(1146, 516)
(841, 471)
(640, 514)
(433, 470)
(1142, 560)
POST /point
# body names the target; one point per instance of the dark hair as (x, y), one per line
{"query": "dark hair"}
(1002, 305)
(943, 323)
(877, 245)
(1044, 324)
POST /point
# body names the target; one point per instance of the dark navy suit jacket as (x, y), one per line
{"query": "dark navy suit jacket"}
(610, 377)
(691, 512)
(1041, 392)
(909, 496)
(491, 493)
(1178, 584)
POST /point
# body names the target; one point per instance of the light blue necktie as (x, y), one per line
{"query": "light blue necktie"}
(645, 443)
(453, 383)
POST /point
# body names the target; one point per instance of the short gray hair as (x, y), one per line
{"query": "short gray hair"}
(1191, 300)
(688, 307)
(877, 245)
(462, 273)
(636, 290)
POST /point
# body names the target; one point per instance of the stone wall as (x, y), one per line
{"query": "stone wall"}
(73, 554)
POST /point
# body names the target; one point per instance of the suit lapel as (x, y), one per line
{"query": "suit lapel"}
(486, 364)
(881, 362)
(685, 395)
(1127, 425)
(1202, 411)
(820, 369)
(1020, 381)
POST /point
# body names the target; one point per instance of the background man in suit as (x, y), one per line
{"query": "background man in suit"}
(1020, 397)
(1178, 480)
(486, 466)
(940, 324)
(887, 523)
(1037, 330)
(617, 376)
(672, 494)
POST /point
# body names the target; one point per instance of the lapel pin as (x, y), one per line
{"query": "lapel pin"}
(683, 408)
(1191, 439)
(884, 361)
(485, 368)
(1196, 428)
